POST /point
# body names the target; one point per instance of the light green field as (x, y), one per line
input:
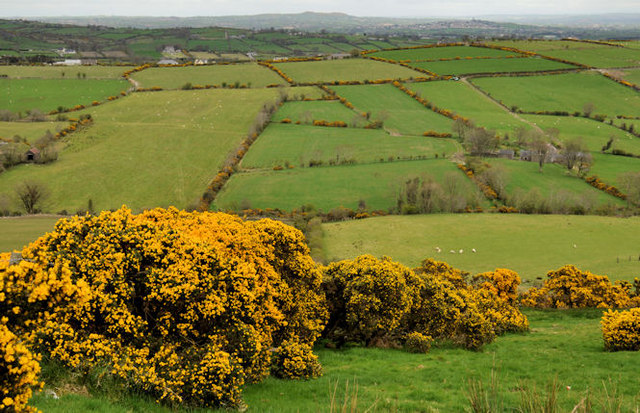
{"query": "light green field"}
(462, 99)
(542, 46)
(553, 181)
(63, 72)
(29, 130)
(347, 69)
(250, 74)
(146, 150)
(566, 92)
(531, 245)
(330, 110)
(47, 94)
(330, 187)
(461, 67)
(299, 144)
(594, 134)
(609, 167)
(402, 114)
(447, 52)
(20, 231)
(599, 57)
(632, 76)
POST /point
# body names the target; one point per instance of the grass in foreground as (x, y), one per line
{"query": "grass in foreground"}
(17, 232)
(531, 245)
(563, 345)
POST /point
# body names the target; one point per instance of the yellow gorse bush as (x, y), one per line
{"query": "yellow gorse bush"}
(621, 330)
(569, 287)
(184, 306)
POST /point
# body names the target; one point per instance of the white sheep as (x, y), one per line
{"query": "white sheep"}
(473, 250)
(461, 251)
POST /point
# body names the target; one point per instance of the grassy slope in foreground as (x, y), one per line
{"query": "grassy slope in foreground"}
(531, 245)
(299, 144)
(348, 69)
(147, 150)
(250, 74)
(566, 345)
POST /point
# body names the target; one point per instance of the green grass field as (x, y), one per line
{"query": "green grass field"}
(298, 144)
(594, 134)
(609, 167)
(563, 345)
(331, 187)
(17, 232)
(632, 76)
(531, 245)
(542, 46)
(462, 99)
(554, 181)
(146, 150)
(250, 74)
(307, 112)
(599, 57)
(347, 69)
(31, 131)
(433, 53)
(47, 94)
(63, 72)
(565, 92)
(461, 67)
(401, 114)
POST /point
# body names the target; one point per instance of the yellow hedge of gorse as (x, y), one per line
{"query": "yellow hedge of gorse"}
(569, 287)
(184, 306)
(621, 330)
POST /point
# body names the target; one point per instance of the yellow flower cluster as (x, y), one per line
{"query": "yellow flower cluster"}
(621, 330)
(568, 287)
(19, 370)
(184, 306)
(295, 361)
(502, 282)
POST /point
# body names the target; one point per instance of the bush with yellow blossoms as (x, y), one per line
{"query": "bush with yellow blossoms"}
(184, 306)
(569, 287)
(19, 370)
(621, 330)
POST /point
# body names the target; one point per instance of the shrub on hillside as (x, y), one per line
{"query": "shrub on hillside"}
(569, 287)
(621, 330)
(183, 306)
(502, 282)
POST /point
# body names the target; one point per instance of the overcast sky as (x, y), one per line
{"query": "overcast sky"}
(397, 8)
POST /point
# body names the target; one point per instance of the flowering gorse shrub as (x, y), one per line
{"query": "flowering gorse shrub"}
(184, 306)
(621, 330)
(569, 287)
(502, 282)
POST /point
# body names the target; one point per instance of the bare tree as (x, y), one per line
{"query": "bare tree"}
(460, 128)
(31, 194)
(575, 153)
(630, 184)
(481, 142)
(539, 145)
(588, 109)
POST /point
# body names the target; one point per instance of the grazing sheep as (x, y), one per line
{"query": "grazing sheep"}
(438, 249)
(452, 251)
(575, 246)
(473, 250)
(461, 251)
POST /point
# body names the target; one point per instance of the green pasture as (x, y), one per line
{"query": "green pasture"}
(464, 100)
(402, 115)
(609, 167)
(541, 46)
(599, 57)
(20, 95)
(594, 134)
(147, 150)
(63, 72)
(434, 53)
(16, 232)
(250, 74)
(329, 187)
(565, 92)
(632, 76)
(554, 181)
(307, 112)
(461, 67)
(296, 145)
(31, 131)
(531, 245)
(347, 69)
